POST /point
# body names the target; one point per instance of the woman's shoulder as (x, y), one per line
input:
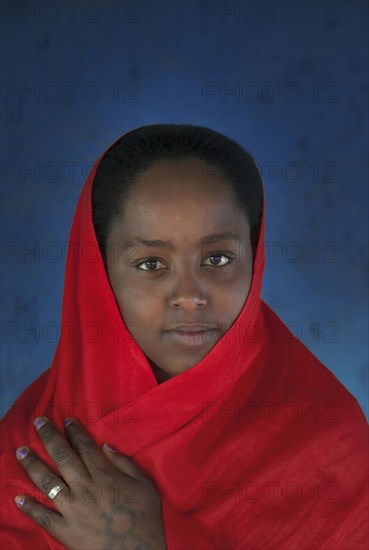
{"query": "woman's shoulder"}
(298, 376)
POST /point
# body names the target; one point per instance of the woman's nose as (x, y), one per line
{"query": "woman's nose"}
(187, 293)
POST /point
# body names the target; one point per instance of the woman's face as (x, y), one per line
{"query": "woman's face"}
(165, 269)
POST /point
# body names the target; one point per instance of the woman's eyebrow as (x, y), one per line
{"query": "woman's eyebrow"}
(212, 238)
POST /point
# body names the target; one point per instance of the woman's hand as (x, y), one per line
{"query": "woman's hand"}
(103, 499)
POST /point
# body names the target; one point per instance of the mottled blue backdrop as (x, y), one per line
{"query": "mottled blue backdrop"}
(288, 80)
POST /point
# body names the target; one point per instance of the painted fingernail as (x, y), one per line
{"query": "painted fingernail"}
(19, 501)
(39, 421)
(22, 452)
(109, 448)
(67, 421)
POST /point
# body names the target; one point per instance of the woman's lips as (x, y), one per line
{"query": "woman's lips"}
(197, 338)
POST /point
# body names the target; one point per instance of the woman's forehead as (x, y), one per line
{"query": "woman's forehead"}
(183, 169)
(175, 197)
(186, 184)
(184, 218)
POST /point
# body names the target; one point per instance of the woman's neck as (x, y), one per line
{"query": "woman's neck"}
(160, 375)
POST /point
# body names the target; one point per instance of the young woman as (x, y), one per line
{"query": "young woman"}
(228, 432)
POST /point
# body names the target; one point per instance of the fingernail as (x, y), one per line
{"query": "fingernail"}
(19, 501)
(109, 448)
(22, 452)
(67, 421)
(39, 421)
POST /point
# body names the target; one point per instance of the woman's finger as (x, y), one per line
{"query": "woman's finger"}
(66, 459)
(51, 521)
(50, 484)
(92, 456)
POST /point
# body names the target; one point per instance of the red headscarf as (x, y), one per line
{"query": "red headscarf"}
(257, 446)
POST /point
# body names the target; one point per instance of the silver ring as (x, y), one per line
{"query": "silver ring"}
(54, 491)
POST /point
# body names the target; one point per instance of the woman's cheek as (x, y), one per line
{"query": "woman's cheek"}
(142, 305)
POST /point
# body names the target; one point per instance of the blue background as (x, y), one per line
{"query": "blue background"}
(288, 82)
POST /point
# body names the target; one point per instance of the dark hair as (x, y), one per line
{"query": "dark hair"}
(141, 148)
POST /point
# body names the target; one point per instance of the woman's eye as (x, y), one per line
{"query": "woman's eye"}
(152, 261)
(217, 256)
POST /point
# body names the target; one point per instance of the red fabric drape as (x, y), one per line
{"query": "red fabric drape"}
(257, 446)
